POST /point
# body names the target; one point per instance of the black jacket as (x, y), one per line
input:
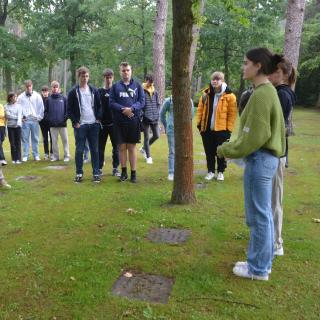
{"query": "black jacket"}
(107, 117)
(56, 110)
(74, 102)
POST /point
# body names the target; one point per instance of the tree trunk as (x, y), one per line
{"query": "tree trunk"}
(159, 41)
(73, 68)
(8, 79)
(3, 12)
(50, 72)
(144, 44)
(183, 19)
(65, 77)
(241, 87)
(295, 14)
(226, 60)
(195, 37)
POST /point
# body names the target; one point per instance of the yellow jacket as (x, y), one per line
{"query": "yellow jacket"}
(225, 114)
(2, 116)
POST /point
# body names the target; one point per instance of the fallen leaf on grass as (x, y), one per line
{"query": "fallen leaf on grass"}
(131, 211)
(72, 278)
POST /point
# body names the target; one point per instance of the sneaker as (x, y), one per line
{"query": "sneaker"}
(78, 178)
(18, 162)
(14, 162)
(133, 179)
(149, 160)
(220, 176)
(209, 176)
(245, 263)
(170, 176)
(3, 162)
(278, 251)
(85, 160)
(53, 159)
(96, 179)
(46, 156)
(115, 172)
(4, 184)
(37, 158)
(143, 152)
(66, 159)
(241, 270)
(123, 177)
(24, 159)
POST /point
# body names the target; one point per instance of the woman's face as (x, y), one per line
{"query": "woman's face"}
(13, 99)
(250, 69)
(278, 77)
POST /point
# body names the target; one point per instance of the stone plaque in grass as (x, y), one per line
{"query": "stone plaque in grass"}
(27, 178)
(200, 172)
(56, 167)
(201, 185)
(171, 236)
(143, 286)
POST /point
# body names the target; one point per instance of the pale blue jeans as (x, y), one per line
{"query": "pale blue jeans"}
(260, 168)
(170, 137)
(30, 128)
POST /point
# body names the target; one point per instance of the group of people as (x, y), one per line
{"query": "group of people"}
(125, 109)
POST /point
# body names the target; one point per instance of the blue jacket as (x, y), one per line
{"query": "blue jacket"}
(55, 110)
(74, 102)
(121, 96)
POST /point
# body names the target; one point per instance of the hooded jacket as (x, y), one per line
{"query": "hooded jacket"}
(225, 112)
(56, 110)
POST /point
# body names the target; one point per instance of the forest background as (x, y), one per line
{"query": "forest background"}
(47, 40)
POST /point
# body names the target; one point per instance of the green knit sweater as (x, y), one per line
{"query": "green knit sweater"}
(261, 126)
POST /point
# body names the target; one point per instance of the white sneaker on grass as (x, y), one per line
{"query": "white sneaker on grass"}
(66, 159)
(4, 184)
(37, 158)
(209, 176)
(170, 176)
(245, 263)
(149, 160)
(241, 270)
(220, 176)
(143, 152)
(24, 159)
(278, 251)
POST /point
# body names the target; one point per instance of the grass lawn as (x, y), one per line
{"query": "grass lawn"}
(63, 245)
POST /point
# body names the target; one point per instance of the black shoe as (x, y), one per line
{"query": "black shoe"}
(96, 179)
(115, 172)
(123, 177)
(133, 179)
(78, 178)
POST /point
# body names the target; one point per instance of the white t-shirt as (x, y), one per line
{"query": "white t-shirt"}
(87, 113)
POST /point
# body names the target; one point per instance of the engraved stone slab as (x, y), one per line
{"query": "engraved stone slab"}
(201, 185)
(27, 178)
(171, 236)
(143, 286)
(200, 172)
(56, 167)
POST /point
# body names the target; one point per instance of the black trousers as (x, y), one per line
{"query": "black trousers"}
(14, 135)
(2, 136)
(103, 137)
(211, 140)
(45, 130)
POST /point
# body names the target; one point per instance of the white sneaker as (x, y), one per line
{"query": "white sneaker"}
(18, 162)
(66, 159)
(241, 270)
(143, 152)
(37, 158)
(149, 160)
(46, 156)
(24, 159)
(4, 184)
(170, 176)
(278, 251)
(53, 159)
(209, 176)
(245, 263)
(3, 162)
(220, 176)
(14, 162)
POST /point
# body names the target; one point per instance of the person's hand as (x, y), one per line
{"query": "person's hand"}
(127, 112)
(77, 125)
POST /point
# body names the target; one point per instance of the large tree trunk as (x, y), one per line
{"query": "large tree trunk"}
(8, 79)
(159, 40)
(183, 19)
(295, 14)
(73, 68)
(195, 37)
(3, 12)
(50, 72)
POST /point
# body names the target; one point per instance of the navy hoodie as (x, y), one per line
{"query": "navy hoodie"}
(107, 117)
(56, 110)
(287, 100)
(131, 95)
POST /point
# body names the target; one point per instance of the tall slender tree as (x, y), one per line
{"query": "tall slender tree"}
(183, 20)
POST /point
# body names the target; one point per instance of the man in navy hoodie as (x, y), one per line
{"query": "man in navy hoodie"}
(56, 116)
(126, 101)
(84, 110)
(107, 128)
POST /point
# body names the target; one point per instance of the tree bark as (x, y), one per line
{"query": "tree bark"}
(159, 41)
(8, 79)
(3, 12)
(183, 19)
(195, 37)
(294, 23)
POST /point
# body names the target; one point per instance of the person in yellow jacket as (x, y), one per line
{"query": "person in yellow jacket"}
(216, 115)
(2, 135)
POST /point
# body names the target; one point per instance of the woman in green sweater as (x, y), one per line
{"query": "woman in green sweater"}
(260, 141)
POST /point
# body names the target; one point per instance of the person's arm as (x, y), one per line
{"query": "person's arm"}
(286, 105)
(231, 112)
(40, 108)
(200, 112)
(19, 120)
(163, 113)
(114, 105)
(71, 101)
(98, 105)
(139, 104)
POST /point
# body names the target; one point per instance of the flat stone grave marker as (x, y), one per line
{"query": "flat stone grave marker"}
(166, 235)
(143, 286)
(201, 185)
(56, 167)
(200, 172)
(27, 178)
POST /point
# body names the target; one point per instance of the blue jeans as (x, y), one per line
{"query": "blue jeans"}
(30, 127)
(170, 137)
(260, 168)
(88, 132)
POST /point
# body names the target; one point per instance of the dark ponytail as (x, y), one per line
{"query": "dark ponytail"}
(287, 68)
(266, 58)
